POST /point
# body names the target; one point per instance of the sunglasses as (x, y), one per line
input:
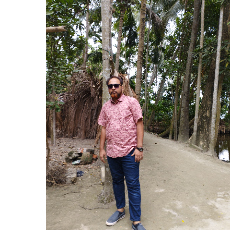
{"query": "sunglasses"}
(110, 86)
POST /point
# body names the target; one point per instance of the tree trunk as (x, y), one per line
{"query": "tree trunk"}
(119, 39)
(106, 30)
(218, 107)
(146, 73)
(85, 53)
(55, 29)
(54, 127)
(214, 103)
(175, 105)
(174, 118)
(140, 49)
(106, 195)
(204, 115)
(184, 120)
(48, 153)
(199, 74)
(110, 34)
(154, 75)
(159, 95)
(171, 126)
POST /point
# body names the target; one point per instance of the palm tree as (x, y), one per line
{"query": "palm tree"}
(199, 74)
(123, 6)
(214, 104)
(106, 195)
(167, 10)
(184, 119)
(85, 53)
(146, 72)
(205, 111)
(140, 49)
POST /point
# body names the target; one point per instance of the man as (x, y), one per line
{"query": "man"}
(122, 126)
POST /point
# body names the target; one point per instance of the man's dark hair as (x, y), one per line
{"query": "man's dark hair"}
(119, 78)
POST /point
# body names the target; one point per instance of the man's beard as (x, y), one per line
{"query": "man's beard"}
(115, 96)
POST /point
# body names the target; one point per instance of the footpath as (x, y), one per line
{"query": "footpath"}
(182, 189)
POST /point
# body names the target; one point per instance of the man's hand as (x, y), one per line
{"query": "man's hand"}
(138, 155)
(103, 155)
(140, 135)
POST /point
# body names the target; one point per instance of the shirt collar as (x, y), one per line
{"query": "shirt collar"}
(118, 100)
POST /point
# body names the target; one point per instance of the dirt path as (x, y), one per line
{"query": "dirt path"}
(182, 189)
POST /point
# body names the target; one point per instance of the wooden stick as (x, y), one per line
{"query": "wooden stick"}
(55, 29)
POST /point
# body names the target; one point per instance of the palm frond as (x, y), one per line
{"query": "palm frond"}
(172, 12)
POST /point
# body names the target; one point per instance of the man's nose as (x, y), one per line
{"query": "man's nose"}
(113, 87)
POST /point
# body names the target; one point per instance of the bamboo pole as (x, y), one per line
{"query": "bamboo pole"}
(55, 29)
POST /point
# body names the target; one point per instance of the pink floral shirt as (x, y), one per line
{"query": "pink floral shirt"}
(119, 120)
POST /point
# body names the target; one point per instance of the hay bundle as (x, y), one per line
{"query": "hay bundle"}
(82, 106)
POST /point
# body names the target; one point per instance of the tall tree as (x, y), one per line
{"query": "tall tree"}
(140, 49)
(199, 74)
(146, 71)
(205, 112)
(85, 53)
(214, 103)
(204, 115)
(106, 195)
(175, 106)
(184, 119)
(167, 10)
(119, 39)
(123, 6)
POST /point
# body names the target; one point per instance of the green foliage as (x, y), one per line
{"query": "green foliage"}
(62, 48)
(95, 61)
(54, 105)
(129, 44)
(164, 110)
(58, 67)
(130, 29)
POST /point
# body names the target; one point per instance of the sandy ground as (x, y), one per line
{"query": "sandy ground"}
(182, 189)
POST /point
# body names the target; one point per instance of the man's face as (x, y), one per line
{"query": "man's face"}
(115, 92)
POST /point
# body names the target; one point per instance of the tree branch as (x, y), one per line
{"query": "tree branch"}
(55, 29)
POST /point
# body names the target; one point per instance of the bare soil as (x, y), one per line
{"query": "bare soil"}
(182, 189)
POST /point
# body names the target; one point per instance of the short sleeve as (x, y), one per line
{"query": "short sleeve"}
(102, 117)
(135, 109)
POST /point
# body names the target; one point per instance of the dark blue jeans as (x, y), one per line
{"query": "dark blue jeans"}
(121, 167)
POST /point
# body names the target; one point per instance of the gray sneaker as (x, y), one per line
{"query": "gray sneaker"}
(138, 226)
(115, 217)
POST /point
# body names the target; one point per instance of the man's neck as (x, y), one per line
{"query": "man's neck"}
(115, 100)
